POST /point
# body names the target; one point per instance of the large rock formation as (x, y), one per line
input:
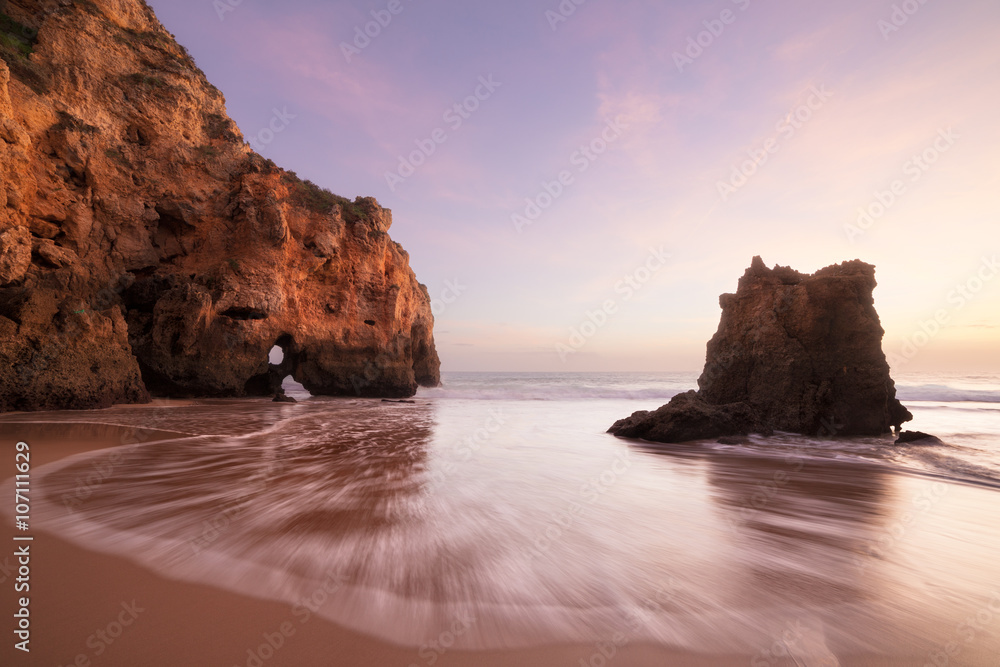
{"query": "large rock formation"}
(798, 353)
(145, 247)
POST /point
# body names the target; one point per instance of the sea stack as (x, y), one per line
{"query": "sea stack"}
(146, 249)
(793, 352)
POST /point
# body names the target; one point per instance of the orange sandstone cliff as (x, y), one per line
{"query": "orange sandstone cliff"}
(145, 249)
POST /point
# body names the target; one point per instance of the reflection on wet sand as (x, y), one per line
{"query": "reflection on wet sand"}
(829, 546)
(538, 536)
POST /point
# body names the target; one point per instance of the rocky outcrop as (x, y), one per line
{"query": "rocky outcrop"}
(793, 352)
(917, 437)
(145, 247)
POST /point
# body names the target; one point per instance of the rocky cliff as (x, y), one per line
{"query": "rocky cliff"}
(144, 248)
(793, 352)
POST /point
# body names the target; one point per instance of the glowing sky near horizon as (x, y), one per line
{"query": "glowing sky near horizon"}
(928, 90)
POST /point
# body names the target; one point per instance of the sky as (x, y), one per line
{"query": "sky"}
(577, 184)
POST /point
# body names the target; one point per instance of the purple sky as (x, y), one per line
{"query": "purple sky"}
(823, 105)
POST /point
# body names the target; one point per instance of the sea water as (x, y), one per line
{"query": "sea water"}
(498, 504)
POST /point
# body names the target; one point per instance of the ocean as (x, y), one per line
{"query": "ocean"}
(495, 510)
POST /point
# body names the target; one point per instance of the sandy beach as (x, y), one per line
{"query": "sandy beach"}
(90, 608)
(468, 334)
(75, 593)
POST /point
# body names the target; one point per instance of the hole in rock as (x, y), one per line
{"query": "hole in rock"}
(282, 360)
(276, 356)
(370, 323)
(294, 389)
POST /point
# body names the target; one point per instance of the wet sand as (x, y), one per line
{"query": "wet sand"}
(77, 594)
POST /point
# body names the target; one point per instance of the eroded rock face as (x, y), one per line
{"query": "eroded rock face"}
(794, 352)
(144, 246)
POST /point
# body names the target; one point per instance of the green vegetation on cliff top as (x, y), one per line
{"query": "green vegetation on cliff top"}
(16, 39)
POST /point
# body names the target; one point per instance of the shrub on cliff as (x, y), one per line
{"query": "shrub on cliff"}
(17, 42)
(16, 38)
(310, 196)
